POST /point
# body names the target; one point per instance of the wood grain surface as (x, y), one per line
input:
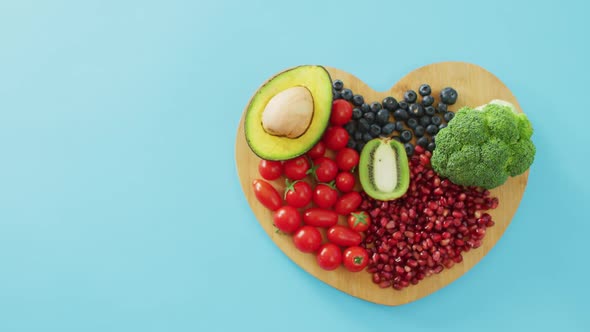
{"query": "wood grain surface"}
(475, 86)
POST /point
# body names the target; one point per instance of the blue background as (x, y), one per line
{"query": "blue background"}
(120, 207)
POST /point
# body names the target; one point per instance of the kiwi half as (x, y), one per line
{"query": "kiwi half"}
(383, 169)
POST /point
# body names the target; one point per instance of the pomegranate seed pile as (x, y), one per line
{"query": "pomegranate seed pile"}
(427, 229)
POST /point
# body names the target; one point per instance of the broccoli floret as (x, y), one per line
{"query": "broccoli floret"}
(484, 146)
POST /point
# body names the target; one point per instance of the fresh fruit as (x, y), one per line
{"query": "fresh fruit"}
(296, 169)
(383, 169)
(401, 115)
(409, 149)
(419, 131)
(345, 182)
(341, 112)
(324, 169)
(448, 116)
(441, 107)
(412, 123)
(317, 151)
(388, 129)
(359, 221)
(427, 100)
(347, 203)
(410, 96)
(422, 141)
(335, 138)
(357, 113)
(287, 219)
(425, 120)
(448, 96)
(436, 120)
(346, 94)
(370, 117)
(307, 239)
(416, 110)
(358, 100)
(270, 169)
(375, 106)
(289, 113)
(382, 116)
(432, 129)
(424, 90)
(390, 103)
(266, 194)
(429, 110)
(347, 159)
(355, 258)
(298, 194)
(338, 85)
(324, 195)
(329, 257)
(344, 236)
(320, 217)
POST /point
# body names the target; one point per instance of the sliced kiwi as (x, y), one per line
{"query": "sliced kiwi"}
(383, 169)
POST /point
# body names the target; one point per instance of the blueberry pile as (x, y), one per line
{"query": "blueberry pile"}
(415, 118)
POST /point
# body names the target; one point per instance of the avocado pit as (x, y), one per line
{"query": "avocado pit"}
(288, 113)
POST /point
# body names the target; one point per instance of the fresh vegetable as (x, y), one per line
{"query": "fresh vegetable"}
(347, 159)
(324, 169)
(287, 219)
(483, 147)
(320, 217)
(335, 138)
(359, 221)
(355, 258)
(307, 239)
(269, 169)
(341, 112)
(266, 194)
(297, 194)
(345, 182)
(317, 151)
(329, 257)
(296, 169)
(344, 236)
(347, 203)
(324, 195)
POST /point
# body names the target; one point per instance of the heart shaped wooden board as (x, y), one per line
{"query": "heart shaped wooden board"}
(476, 86)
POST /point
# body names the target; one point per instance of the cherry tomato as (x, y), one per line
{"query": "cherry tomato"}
(270, 170)
(355, 259)
(298, 194)
(344, 236)
(296, 168)
(335, 138)
(307, 239)
(324, 169)
(317, 151)
(347, 159)
(345, 182)
(325, 195)
(347, 203)
(320, 218)
(341, 112)
(329, 256)
(266, 194)
(359, 221)
(287, 219)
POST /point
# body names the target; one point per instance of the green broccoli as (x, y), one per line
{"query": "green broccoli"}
(484, 146)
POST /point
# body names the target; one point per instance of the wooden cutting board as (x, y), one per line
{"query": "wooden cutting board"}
(476, 86)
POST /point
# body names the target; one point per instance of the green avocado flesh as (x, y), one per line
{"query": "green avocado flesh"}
(317, 80)
(383, 169)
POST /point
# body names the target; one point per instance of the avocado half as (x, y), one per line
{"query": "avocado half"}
(314, 78)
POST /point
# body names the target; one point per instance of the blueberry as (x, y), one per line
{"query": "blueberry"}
(425, 120)
(363, 126)
(347, 94)
(397, 138)
(432, 129)
(358, 136)
(412, 123)
(388, 129)
(399, 126)
(449, 116)
(406, 136)
(403, 105)
(350, 127)
(442, 126)
(367, 137)
(365, 108)
(409, 149)
(441, 107)
(401, 115)
(419, 131)
(370, 117)
(435, 120)
(351, 143)
(427, 100)
(337, 85)
(357, 113)
(359, 146)
(416, 110)
(430, 147)
(358, 100)
(424, 90)
(410, 96)
(382, 116)
(375, 106)
(375, 130)
(422, 141)
(448, 96)
(390, 103)
(429, 110)
(336, 95)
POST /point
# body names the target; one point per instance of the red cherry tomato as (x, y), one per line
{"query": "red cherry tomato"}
(344, 236)
(266, 194)
(320, 218)
(298, 194)
(347, 159)
(329, 256)
(341, 112)
(324, 195)
(347, 203)
(307, 239)
(324, 169)
(359, 221)
(345, 182)
(335, 138)
(296, 168)
(317, 151)
(287, 219)
(355, 259)
(270, 170)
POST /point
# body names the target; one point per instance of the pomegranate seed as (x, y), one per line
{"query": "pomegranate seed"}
(385, 284)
